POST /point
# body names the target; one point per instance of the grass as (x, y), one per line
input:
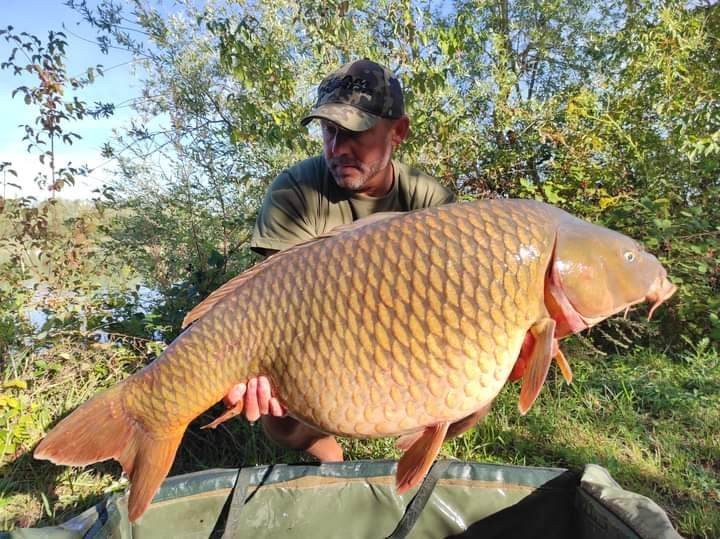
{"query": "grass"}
(652, 420)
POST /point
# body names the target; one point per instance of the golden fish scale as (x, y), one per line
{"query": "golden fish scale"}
(381, 330)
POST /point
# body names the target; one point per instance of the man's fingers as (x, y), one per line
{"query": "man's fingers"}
(234, 395)
(275, 408)
(263, 395)
(258, 399)
(252, 409)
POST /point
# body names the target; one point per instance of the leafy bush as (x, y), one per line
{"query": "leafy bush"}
(608, 111)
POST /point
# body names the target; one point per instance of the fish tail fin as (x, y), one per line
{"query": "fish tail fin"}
(102, 429)
(151, 461)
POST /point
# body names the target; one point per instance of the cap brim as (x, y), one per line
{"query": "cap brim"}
(346, 116)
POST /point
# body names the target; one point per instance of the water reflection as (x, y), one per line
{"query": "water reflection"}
(147, 299)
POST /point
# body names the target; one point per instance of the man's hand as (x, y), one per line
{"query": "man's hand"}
(258, 399)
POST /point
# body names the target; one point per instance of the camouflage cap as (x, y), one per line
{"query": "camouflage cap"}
(357, 95)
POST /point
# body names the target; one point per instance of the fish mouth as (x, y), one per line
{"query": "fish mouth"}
(661, 290)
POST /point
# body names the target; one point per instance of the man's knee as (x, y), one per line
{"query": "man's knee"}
(290, 433)
(287, 432)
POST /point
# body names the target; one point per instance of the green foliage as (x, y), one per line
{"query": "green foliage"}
(17, 411)
(52, 258)
(667, 174)
(46, 60)
(186, 194)
(608, 111)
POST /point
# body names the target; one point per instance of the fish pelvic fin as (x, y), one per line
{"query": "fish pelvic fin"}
(416, 461)
(406, 441)
(229, 413)
(538, 363)
(101, 429)
(562, 363)
(466, 423)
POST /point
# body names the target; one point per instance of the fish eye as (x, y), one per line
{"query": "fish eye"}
(629, 256)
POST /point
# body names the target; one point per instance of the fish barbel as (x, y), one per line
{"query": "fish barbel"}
(399, 324)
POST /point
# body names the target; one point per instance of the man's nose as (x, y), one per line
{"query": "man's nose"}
(338, 143)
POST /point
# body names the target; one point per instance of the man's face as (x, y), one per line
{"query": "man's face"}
(358, 160)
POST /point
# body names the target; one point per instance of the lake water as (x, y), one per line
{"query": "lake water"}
(148, 297)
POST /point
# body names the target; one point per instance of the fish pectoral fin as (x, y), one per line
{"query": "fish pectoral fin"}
(416, 461)
(231, 412)
(562, 363)
(538, 363)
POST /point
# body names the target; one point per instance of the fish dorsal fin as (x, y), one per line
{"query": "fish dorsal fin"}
(236, 282)
(226, 289)
(370, 219)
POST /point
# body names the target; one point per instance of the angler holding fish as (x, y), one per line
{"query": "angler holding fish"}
(401, 324)
(360, 108)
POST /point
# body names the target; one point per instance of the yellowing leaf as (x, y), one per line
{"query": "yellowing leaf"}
(6, 401)
(16, 383)
(606, 201)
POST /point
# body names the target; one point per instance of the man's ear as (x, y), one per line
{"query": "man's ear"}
(401, 128)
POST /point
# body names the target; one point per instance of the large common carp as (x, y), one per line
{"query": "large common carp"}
(402, 324)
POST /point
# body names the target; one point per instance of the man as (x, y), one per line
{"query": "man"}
(362, 119)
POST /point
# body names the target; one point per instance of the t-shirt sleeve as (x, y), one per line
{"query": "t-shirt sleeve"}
(437, 195)
(283, 218)
(423, 191)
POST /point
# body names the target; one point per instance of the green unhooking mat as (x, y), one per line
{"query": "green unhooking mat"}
(358, 500)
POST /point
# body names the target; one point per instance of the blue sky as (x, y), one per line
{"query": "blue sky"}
(119, 86)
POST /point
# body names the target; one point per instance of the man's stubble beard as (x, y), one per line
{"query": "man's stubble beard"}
(367, 172)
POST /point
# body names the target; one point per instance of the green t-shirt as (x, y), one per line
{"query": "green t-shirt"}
(304, 201)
